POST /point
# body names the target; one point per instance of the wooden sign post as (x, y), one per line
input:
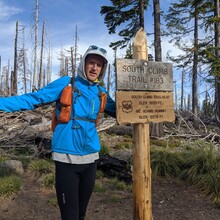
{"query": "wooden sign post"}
(153, 103)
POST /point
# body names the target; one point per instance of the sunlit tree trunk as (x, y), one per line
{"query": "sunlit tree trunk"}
(157, 128)
(40, 77)
(15, 74)
(49, 65)
(157, 31)
(7, 86)
(217, 55)
(195, 72)
(75, 53)
(35, 47)
(141, 6)
(24, 64)
(1, 72)
(109, 79)
(182, 90)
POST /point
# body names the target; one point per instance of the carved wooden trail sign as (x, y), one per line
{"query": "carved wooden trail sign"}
(144, 91)
(143, 107)
(143, 75)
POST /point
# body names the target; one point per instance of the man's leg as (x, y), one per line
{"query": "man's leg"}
(86, 186)
(67, 188)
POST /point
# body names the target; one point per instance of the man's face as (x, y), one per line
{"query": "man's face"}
(93, 67)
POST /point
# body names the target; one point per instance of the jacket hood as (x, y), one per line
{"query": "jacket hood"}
(97, 51)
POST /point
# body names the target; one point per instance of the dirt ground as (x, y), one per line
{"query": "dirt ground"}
(170, 199)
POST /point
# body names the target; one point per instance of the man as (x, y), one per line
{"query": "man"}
(75, 144)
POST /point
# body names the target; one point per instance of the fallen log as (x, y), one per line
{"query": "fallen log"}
(114, 167)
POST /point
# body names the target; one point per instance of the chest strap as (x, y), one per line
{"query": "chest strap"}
(84, 119)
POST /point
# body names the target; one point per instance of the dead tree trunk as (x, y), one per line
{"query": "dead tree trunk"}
(7, 92)
(72, 60)
(194, 71)
(41, 58)
(35, 47)
(14, 75)
(109, 79)
(217, 55)
(182, 90)
(24, 65)
(1, 71)
(48, 73)
(156, 129)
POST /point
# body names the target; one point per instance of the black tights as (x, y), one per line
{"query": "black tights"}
(74, 186)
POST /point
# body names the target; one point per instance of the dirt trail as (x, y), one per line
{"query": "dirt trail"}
(171, 200)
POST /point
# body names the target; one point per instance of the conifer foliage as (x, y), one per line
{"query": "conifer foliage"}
(126, 12)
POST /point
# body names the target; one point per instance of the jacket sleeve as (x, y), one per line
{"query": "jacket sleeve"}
(29, 101)
(110, 108)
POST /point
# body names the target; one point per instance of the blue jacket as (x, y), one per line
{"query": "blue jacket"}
(79, 136)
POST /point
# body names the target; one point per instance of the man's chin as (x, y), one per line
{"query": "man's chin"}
(92, 78)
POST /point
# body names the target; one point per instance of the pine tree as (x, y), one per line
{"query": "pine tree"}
(127, 12)
(185, 19)
(217, 57)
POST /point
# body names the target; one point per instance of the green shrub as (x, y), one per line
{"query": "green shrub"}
(217, 201)
(23, 150)
(116, 184)
(170, 142)
(199, 159)
(5, 172)
(9, 185)
(121, 185)
(164, 162)
(40, 167)
(124, 145)
(104, 149)
(48, 180)
(99, 187)
(25, 160)
(3, 158)
(53, 201)
(209, 183)
(115, 198)
(99, 174)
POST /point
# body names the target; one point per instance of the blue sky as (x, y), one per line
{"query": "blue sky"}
(61, 18)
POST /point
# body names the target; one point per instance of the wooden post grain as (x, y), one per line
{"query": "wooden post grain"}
(141, 161)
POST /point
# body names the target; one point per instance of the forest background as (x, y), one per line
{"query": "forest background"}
(45, 40)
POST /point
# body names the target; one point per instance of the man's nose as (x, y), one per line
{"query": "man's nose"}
(94, 65)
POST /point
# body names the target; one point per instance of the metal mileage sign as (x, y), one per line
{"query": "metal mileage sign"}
(144, 75)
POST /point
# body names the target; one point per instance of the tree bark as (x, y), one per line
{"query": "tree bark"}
(35, 47)
(182, 90)
(141, 5)
(156, 129)
(41, 58)
(217, 55)
(14, 75)
(194, 73)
